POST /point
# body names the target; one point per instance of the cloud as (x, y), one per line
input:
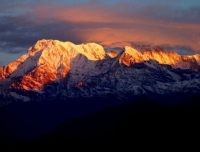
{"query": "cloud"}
(154, 36)
(174, 25)
(1, 63)
(183, 50)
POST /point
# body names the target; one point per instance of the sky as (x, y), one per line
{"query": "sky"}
(172, 24)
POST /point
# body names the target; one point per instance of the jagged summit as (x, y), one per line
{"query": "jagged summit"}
(92, 51)
(51, 60)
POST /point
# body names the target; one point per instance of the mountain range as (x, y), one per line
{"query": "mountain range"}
(79, 94)
(52, 70)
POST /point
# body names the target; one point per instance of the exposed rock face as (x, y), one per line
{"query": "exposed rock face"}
(112, 54)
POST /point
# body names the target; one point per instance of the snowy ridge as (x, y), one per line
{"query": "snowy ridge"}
(132, 56)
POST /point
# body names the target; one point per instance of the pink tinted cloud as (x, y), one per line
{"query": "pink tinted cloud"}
(157, 25)
(155, 37)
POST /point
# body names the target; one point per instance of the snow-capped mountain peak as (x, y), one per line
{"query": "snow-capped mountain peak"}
(47, 61)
